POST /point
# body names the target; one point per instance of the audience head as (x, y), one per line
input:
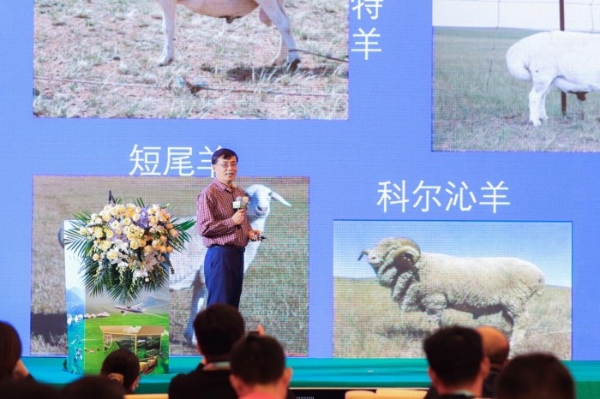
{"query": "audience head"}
(535, 376)
(94, 387)
(456, 359)
(217, 328)
(258, 365)
(122, 366)
(27, 389)
(10, 350)
(495, 345)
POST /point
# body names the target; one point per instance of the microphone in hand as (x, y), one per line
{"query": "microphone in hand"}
(240, 203)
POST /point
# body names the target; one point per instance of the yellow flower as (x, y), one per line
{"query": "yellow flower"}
(104, 245)
(112, 254)
(98, 232)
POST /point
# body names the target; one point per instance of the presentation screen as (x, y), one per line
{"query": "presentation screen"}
(414, 164)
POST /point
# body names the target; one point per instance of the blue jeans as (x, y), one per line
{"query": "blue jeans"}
(224, 274)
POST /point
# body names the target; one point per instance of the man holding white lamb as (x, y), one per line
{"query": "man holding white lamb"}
(223, 224)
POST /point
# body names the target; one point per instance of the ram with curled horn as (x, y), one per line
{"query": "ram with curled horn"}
(394, 260)
(432, 283)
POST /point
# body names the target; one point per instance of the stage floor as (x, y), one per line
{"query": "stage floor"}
(317, 374)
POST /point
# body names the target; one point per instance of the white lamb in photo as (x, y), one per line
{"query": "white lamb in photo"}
(567, 60)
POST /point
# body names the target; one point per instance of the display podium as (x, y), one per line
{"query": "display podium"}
(98, 325)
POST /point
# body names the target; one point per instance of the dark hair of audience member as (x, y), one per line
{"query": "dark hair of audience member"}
(94, 387)
(535, 376)
(217, 328)
(455, 354)
(122, 366)
(27, 389)
(10, 350)
(257, 359)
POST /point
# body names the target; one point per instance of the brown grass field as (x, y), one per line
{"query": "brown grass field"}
(99, 59)
(369, 324)
(275, 288)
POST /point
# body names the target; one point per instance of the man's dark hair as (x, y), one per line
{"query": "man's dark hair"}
(10, 349)
(224, 153)
(217, 328)
(535, 376)
(25, 388)
(94, 387)
(454, 354)
(125, 362)
(257, 359)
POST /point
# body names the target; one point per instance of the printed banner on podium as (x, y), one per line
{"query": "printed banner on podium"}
(97, 324)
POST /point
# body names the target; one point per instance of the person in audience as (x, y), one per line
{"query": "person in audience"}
(27, 389)
(258, 368)
(535, 376)
(457, 365)
(94, 387)
(123, 366)
(11, 365)
(496, 348)
(217, 329)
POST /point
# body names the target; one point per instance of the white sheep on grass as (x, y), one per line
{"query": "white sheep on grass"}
(432, 283)
(189, 264)
(568, 60)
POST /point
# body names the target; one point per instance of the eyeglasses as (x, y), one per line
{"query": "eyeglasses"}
(226, 165)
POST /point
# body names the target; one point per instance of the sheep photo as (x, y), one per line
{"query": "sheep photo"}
(399, 281)
(275, 293)
(499, 71)
(122, 59)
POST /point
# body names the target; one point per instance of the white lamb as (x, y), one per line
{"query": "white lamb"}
(569, 60)
(189, 264)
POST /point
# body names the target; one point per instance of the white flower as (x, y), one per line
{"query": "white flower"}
(140, 273)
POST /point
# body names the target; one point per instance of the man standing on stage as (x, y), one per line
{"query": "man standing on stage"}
(225, 230)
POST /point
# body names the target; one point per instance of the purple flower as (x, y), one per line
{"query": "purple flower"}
(143, 222)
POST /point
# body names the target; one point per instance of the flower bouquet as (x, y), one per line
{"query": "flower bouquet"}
(125, 248)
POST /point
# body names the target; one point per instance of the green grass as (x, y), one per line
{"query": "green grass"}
(478, 105)
(94, 339)
(369, 324)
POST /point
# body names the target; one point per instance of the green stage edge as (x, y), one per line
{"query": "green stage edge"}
(317, 373)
